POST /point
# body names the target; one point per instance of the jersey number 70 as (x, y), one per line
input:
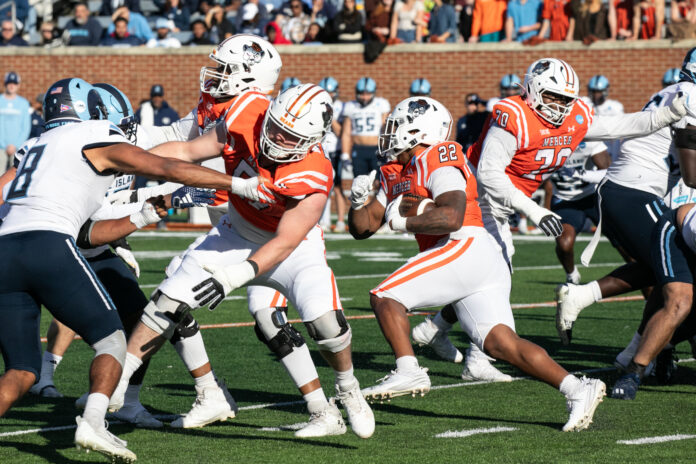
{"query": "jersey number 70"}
(550, 162)
(20, 185)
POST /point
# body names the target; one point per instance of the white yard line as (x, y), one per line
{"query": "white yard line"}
(468, 433)
(651, 440)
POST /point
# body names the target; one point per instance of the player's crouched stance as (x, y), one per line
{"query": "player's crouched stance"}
(459, 262)
(271, 239)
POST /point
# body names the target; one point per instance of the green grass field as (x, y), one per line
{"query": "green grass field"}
(531, 413)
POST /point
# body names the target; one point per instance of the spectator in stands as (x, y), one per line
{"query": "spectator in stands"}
(177, 14)
(348, 23)
(523, 19)
(621, 21)
(121, 37)
(21, 12)
(443, 22)
(322, 13)
(49, 37)
(164, 38)
(36, 114)
(275, 35)
(234, 14)
(556, 15)
(407, 21)
(137, 24)
(15, 123)
(251, 20)
(295, 26)
(590, 21)
(109, 7)
(8, 37)
(200, 34)
(190, 5)
(314, 35)
(683, 20)
(82, 29)
(220, 27)
(156, 111)
(64, 7)
(470, 126)
(648, 19)
(466, 16)
(378, 21)
(488, 21)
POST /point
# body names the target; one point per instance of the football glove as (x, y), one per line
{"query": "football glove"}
(396, 221)
(187, 197)
(551, 225)
(361, 189)
(672, 113)
(146, 216)
(224, 279)
(253, 188)
(129, 258)
(346, 166)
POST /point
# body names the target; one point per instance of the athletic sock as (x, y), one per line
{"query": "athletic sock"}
(407, 363)
(441, 323)
(574, 275)
(49, 364)
(596, 291)
(569, 385)
(316, 401)
(206, 381)
(132, 396)
(346, 379)
(132, 364)
(95, 410)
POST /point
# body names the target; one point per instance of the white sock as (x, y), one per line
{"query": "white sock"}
(407, 363)
(192, 351)
(569, 385)
(441, 323)
(95, 410)
(206, 381)
(574, 275)
(49, 364)
(133, 363)
(316, 401)
(346, 379)
(132, 396)
(596, 292)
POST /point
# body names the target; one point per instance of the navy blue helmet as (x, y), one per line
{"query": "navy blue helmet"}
(71, 100)
(365, 85)
(420, 88)
(119, 109)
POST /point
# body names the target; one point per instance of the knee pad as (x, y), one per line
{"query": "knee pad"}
(185, 328)
(273, 329)
(331, 331)
(162, 314)
(114, 345)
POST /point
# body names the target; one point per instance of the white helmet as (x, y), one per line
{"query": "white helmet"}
(297, 119)
(243, 62)
(551, 76)
(414, 121)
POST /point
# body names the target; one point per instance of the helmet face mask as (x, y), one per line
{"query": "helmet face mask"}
(551, 87)
(216, 80)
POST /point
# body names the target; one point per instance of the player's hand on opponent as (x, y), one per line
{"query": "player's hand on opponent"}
(346, 166)
(674, 112)
(362, 186)
(548, 221)
(152, 211)
(224, 279)
(254, 188)
(129, 258)
(396, 221)
(188, 197)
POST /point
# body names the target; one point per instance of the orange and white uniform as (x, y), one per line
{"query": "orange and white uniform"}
(464, 267)
(304, 277)
(518, 150)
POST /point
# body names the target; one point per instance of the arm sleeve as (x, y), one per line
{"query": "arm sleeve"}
(182, 130)
(499, 147)
(445, 179)
(109, 211)
(381, 197)
(622, 126)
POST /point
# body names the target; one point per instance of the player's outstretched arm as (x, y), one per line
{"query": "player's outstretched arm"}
(207, 146)
(127, 158)
(102, 232)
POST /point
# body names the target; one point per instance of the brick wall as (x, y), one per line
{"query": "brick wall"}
(634, 69)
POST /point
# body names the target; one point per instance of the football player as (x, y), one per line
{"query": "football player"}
(420, 88)
(54, 193)
(331, 147)
(598, 93)
(459, 262)
(529, 137)
(362, 121)
(510, 85)
(271, 239)
(289, 82)
(670, 77)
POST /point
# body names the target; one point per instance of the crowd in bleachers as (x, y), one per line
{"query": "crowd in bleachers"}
(173, 23)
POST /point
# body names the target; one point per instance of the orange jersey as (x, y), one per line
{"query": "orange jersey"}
(558, 12)
(397, 179)
(542, 148)
(647, 20)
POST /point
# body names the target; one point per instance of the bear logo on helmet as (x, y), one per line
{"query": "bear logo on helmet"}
(417, 108)
(327, 115)
(253, 54)
(541, 67)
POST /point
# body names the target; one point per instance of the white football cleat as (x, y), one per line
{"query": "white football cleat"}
(137, 415)
(360, 415)
(570, 300)
(211, 405)
(399, 383)
(118, 397)
(478, 367)
(102, 441)
(427, 333)
(46, 390)
(583, 403)
(324, 423)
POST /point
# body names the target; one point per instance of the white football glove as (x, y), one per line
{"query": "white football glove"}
(146, 216)
(251, 189)
(361, 189)
(224, 279)
(129, 258)
(394, 219)
(674, 112)
(122, 197)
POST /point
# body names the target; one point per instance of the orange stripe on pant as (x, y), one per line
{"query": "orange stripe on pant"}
(434, 254)
(431, 267)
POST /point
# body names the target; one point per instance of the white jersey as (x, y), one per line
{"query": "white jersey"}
(366, 120)
(651, 163)
(608, 108)
(568, 186)
(56, 187)
(680, 195)
(330, 144)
